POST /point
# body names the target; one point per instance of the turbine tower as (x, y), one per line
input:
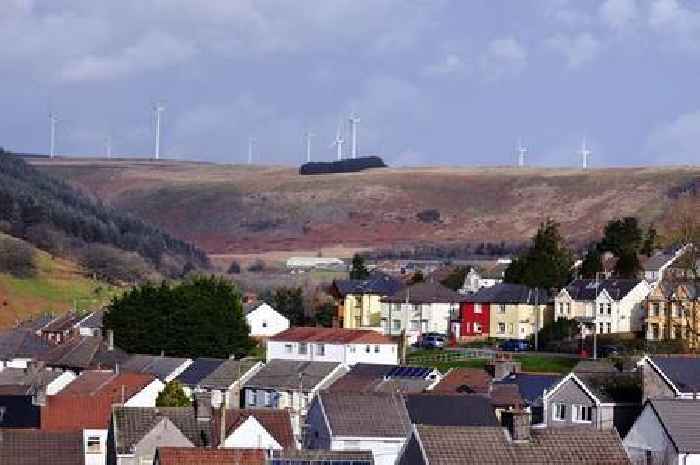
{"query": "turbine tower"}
(522, 151)
(251, 145)
(585, 153)
(338, 142)
(108, 146)
(52, 144)
(158, 109)
(309, 135)
(353, 131)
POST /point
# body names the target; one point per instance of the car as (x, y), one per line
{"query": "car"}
(433, 341)
(610, 351)
(515, 345)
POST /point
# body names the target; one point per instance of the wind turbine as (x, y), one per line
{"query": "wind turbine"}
(309, 135)
(52, 144)
(251, 145)
(158, 109)
(522, 151)
(353, 131)
(338, 142)
(585, 153)
(108, 146)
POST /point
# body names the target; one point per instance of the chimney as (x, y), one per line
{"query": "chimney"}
(222, 426)
(202, 406)
(517, 422)
(110, 339)
(39, 396)
(503, 365)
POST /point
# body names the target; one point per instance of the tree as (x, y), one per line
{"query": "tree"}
(173, 396)
(546, 264)
(558, 330)
(289, 301)
(627, 265)
(455, 280)
(16, 257)
(234, 268)
(592, 263)
(621, 235)
(417, 277)
(358, 270)
(324, 314)
(200, 317)
(650, 241)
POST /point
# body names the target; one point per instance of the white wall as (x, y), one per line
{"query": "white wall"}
(647, 433)
(95, 458)
(265, 321)
(57, 385)
(388, 354)
(384, 450)
(434, 317)
(348, 354)
(251, 435)
(147, 396)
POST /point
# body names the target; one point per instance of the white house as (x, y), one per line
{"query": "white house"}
(269, 429)
(346, 346)
(418, 309)
(613, 305)
(665, 433)
(265, 321)
(342, 421)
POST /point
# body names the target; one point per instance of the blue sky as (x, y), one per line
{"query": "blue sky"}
(434, 82)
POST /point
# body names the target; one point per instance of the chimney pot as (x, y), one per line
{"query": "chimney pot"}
(517, 422)
(202, 406)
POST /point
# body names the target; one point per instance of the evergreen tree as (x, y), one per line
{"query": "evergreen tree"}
(627, 265)
(358, 270)
(455, 280)
(289, 301)
(650, 240)
(592, 263)
(621, 235)
(173, 396)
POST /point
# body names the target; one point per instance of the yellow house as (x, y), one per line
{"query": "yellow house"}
(672, 311)
(359, 301)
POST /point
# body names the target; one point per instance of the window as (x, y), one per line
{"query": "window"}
(501, 328)
(320, 349)
(559, 412)
(510, 328)
(288, 348)
(583, 413)
(522, 330)
(352, 349)
(477, 308)
(302, 348)
(561, 308)
(396, 324)
(376, 349)
(267, 396)
(477, 327)
(264, 324)
(601, 330)
(94, 445)
(655, 308)
(358, 301)
(609, 328)
(609, 308)
(601, 308)
(414, 325)
(568, 308)
(368, 349)
(501, 308)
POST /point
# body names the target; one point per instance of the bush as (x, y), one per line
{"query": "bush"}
(173, 396)
(234, 268)
(430, 215)
(114, 265)
(16, 257)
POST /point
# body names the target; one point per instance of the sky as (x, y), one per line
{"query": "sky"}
(434, 82)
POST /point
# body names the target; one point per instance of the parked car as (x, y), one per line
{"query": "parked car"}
(515, 345)
(433, 341)
(610, 351)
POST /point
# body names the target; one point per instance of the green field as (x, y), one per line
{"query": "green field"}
(533, 363)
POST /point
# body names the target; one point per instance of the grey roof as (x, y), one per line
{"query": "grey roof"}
(497, 271)
(84, 352)
(284, 374)
(680, 419)
(450, 410)
(585, 289)
(507, 293)
(377, 283)
(34, 447)
(36, 323)
(368, 377)
(227, 373)
(133, 423)
(21, 343)
(159, 366)
(27, 377)
(425, 293)
(656, 262)
(614, 387)
(531, 386)
(94, 320)
(198, 370)
(342, 456)
(365, 414)
(684, 371)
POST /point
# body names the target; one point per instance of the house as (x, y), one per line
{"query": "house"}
(136, 432)
(91, 324)
(224, 383)
(80, 353)
(208, 456)
(531, 388)
(365, 377)
(612, 305)
(34, 447)
(464, 381)
(670, 312)
(480, 445)
(670, 376)
(324, 457)
(347, 346)
(655, 266)
(35, 376)
(495, 274)
(505, 311)
(449, 410)
(420, 308)
(199, 369)
(20, 346)
(265, 321)
(267, 429)
(666, 432)
(289, 384)
(359, 300)
(164, 368)
(378, 422)
(598, 400)
(60, 329)
(301, 264)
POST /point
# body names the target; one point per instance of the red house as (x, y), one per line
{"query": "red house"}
(473, 322)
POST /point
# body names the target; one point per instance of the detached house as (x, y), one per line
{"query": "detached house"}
(268, 429)
(359, 300)
(347, 346)
(418, 309)
(611, 305)
(264, 321)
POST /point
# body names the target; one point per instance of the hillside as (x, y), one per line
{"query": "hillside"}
(57, 286)
(238, 209)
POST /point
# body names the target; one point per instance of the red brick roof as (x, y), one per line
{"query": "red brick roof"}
(464, 381)
(332, 336)
(200, 455)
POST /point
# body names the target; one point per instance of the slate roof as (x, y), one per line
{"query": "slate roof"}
(505, 395)
(683, 371)
(365, 414)
(507, 293)
(464, 381)
(133, 423)
(27, 377)
(159, 366)
(84, 352)
(228, 373)
(331, 336)
(424, 293)
(320, 455)
(447, 410)
(614, 387)
(208, 456)
(531, 386)
(680, 419)
(34, 447)
(94, 320)
(284, 374)
(585, 289)
(377, 284)
(198, 370)
(656, 262)
(36, 323)
(448, 445)
(62, 323)
(367, 377)
(21, 343)
(277, 422)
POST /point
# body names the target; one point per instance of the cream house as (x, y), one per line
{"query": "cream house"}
(359, 301)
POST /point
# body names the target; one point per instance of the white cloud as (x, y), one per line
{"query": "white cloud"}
(619, 14)
(564, 12)
(450, 64)
(503, 58)
(677, 141)
(578, 50)
(680, 24)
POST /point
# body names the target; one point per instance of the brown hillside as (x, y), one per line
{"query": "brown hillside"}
(238, 209)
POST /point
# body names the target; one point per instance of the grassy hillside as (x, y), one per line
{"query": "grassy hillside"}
(57, 286)
(239, 210)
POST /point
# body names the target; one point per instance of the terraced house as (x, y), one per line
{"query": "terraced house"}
(671, 312)
(359, 301)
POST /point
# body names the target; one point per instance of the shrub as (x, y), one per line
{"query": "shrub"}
(234, 268)
(16, 257)
(114, 265)
(430, 215)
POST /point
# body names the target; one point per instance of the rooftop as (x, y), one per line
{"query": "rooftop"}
(159, 366)
(680, 418)
(365, 414)
(21, 343)
(447, 410)
(531, 386)
(331, 336)
(682, 371)
(377, 284)
(209, 456)
(464, 381)
(588, 289)
(228, 373)
(424, 293)
(199, 369)
(285, 374)
(506, 293)
(34, 447)
(277, 422)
